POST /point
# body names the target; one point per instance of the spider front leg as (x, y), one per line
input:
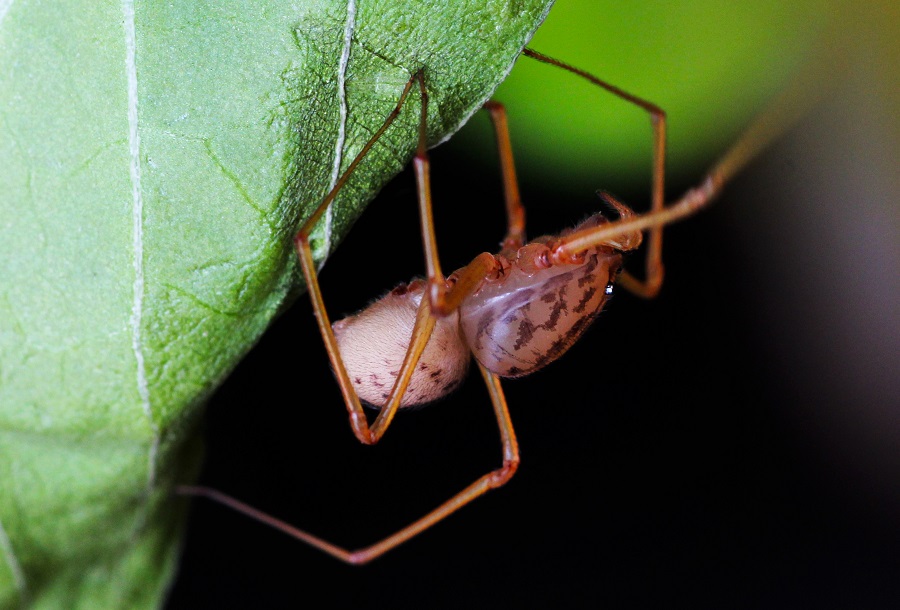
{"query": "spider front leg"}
(787, 108)
(653, 267)
(425, 320)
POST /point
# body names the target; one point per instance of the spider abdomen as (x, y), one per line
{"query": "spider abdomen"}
(531, 316)
(374, 342)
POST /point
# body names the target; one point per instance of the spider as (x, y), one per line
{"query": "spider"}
(515, 311)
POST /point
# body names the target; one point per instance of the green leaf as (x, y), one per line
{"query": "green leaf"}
(155, 161)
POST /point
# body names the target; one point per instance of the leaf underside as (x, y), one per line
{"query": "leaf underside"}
(155, 161)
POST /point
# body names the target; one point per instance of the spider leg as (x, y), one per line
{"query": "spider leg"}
(515, 212)
(424, 322)
(784, 111)
(492, 480)
(648, 287)
(470, 276)
(443, 297)
(482, 485)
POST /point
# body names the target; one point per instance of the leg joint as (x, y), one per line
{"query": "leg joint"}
(504, 474)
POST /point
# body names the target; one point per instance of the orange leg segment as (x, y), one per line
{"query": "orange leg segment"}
(650, 286)
(515, 212)
(424, 322)
(482, 485)
(782, 112)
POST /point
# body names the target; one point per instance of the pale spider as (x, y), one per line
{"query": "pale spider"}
(514, 311)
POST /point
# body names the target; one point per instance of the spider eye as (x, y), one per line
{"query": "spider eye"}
(609, 289)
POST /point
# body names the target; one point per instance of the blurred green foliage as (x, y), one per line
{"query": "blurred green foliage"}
(710, 64)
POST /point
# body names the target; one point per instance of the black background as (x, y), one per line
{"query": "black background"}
(690, 450)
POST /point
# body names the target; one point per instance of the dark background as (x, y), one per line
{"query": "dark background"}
(732, 443)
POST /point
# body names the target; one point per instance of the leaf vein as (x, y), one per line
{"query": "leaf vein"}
(349, 28)
(137, 216)
(236, 182)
